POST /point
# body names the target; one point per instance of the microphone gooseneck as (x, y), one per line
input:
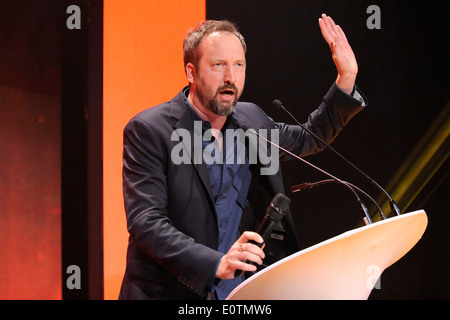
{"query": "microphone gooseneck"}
(394, 207)
(361, 205)
(309, 185)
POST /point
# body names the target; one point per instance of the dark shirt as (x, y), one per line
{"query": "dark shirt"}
(229, 178)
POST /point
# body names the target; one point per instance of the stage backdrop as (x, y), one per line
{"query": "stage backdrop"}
(403, 71)
(143, 66)
(30, 197)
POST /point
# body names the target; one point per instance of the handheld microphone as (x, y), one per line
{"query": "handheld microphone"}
(275, 212)
(394, 207)
(363, 209)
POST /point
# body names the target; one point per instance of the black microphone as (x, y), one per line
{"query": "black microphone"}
(394, 207)
(275, 212)
(309, 185)
(361, 205)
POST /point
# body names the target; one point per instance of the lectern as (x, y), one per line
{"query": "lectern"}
(343, 267)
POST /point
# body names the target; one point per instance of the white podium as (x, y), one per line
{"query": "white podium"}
(344, 267)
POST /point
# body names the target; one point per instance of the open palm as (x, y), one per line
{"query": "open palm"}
(342, 53)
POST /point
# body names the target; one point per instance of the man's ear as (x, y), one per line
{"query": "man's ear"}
(190, 72)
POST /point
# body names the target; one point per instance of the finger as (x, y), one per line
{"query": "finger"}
(252, 249)
(250, 235)
(326, 30)
(341, 33)
(228, 266)
(336, 30)
(249, 256)
(329, 23)
(332, 25)
(241, 265)
(236, 258)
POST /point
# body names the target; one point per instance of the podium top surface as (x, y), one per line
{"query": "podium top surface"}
(344, 267)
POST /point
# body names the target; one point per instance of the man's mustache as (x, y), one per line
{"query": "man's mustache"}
(229, 86)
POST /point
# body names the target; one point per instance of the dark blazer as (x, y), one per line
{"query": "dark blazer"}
(172, 251)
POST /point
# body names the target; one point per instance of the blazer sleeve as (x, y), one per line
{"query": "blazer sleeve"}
(145, 197)
(327, 121)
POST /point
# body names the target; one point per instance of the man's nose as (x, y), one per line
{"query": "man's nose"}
(229, 75)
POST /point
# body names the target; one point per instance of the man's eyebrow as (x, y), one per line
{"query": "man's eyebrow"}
(224, 60)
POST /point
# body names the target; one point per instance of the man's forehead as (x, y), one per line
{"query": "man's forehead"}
(219, 39)
(216, 34)
(220, 36)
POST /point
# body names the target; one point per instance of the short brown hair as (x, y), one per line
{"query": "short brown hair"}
(195, 36)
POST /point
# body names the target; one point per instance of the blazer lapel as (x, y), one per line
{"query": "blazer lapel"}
(184, 119)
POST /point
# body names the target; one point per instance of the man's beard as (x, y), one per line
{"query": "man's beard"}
(220, 108)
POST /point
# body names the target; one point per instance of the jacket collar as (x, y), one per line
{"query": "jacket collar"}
(179, 111)
(184, 120)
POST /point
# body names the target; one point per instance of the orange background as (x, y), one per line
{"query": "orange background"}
(30, 151)
(143, 66)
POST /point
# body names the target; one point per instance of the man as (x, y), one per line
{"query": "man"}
(191, 222)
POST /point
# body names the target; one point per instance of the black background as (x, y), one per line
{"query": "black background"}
(403, 70)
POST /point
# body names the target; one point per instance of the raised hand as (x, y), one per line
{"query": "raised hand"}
(343, 56)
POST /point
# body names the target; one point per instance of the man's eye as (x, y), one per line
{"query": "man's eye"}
(218, 66)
